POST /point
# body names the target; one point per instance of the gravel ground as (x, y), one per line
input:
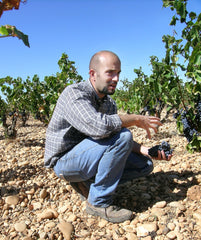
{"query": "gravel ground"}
(35, 204)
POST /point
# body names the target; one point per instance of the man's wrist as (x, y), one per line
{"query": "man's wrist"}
(144, 150)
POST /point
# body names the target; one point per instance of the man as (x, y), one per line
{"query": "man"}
(88, 143)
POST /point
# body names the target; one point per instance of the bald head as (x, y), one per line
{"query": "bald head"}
(104, 70)
(98, 57)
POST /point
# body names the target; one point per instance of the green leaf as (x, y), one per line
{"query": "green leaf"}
(3, 31)
(181, 10)
(167, 3)
(159, 87)
(197, 88)
(22, 36)
(173, 21)
(192, 15)
(196, 56)
(198, 75)
(12, 31)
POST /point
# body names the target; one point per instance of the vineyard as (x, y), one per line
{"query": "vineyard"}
(34, 201)
(163, 89)
(36, 204)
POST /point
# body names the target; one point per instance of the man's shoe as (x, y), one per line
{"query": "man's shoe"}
(112, 213)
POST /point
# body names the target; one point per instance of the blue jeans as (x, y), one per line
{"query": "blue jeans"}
(109, 161)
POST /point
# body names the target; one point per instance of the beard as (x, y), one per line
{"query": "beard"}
(106, 91)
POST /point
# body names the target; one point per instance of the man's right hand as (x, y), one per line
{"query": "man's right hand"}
(141, 121)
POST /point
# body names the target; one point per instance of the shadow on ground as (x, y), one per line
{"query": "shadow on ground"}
(141, 194)
(14, 180)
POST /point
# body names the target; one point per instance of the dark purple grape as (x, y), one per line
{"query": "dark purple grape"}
(187, 129)
(165, 146)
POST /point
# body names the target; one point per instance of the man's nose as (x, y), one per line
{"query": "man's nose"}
(115, 77)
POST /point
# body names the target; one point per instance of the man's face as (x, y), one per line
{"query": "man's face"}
(106, 75)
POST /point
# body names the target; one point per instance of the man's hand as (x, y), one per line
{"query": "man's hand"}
(161, 156)
(145, 151)
(161, 151)
(145, 122)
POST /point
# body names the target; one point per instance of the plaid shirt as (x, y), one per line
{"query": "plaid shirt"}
(79, 113)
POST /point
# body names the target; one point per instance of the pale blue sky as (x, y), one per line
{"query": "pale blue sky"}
(131, 28)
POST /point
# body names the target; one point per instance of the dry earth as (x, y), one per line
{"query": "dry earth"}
(35, 204)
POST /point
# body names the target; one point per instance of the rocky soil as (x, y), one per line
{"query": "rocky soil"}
(35, 204)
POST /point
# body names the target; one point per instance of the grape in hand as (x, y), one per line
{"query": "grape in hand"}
(165, 146)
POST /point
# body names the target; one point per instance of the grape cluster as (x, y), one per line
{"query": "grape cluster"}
(188, 130)
(165, 146)
(190, 126)
(198, 114)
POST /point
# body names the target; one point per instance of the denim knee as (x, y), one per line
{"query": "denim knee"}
(126, 137)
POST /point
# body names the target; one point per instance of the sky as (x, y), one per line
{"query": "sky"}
(132, 29)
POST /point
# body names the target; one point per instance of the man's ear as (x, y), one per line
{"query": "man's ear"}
(92, 73)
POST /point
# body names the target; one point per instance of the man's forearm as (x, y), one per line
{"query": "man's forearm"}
(141, 121)
(129, 120)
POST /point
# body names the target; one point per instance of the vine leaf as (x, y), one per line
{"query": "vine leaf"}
(4, 31)
(6, 5)
(12, 31)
